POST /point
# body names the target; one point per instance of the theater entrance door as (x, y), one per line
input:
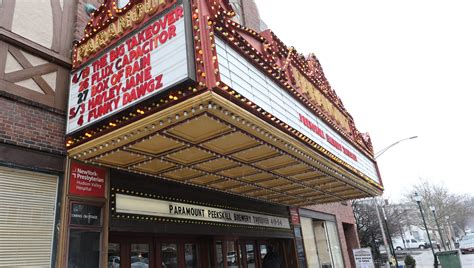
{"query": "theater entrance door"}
(152, 251)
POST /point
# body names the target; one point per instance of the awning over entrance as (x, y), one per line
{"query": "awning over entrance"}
(210, 142)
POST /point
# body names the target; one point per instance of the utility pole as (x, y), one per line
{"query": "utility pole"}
(390, 237)
(381, 228)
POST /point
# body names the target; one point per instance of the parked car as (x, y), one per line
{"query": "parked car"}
(466, 245)
(410, 243)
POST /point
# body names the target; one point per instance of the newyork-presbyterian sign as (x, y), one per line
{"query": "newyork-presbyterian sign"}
(149, 61)
(86, 180)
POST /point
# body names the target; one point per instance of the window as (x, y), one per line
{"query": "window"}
(309, 242)
(85, 221)
(321, 243)
(334, 244)
(84, 248)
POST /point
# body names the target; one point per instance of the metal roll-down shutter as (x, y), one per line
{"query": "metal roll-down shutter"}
(27, 213)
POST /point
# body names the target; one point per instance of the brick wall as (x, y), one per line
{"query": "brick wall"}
(344, 215)
(30, 126)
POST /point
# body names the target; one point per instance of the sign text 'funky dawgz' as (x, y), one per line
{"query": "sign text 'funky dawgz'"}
(132, 70)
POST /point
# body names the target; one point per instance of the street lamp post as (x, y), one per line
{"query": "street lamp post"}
(433, 209)
(417, 198)
(381, 229)
(379, 153)
(376, 155)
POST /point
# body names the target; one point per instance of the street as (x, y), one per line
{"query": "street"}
(425, 259)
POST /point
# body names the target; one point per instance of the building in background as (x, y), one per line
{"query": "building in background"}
(202, 166)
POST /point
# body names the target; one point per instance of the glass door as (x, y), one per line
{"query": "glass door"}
(178, 253)
(127, 252)
(250, 254)
(232, 260)
(140, 255)
(169, 254)
(191, 257)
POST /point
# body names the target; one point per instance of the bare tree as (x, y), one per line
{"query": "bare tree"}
(368, 226)
(457, 207)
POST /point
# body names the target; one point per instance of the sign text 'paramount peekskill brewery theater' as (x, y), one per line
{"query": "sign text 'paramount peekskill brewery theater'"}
(149, 61)
(154, 207)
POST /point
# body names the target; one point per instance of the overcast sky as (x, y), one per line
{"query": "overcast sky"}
(402, 68)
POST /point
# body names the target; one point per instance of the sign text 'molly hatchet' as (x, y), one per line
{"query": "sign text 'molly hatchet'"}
(150, 61)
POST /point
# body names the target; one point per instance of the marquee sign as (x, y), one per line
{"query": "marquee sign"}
(138, 67)
(129, 204)
(243, 77)
(110, 23)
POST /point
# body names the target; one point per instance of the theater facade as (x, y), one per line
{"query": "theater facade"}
(192, 141)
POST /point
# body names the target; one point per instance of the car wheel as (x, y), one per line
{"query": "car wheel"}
(421, 247)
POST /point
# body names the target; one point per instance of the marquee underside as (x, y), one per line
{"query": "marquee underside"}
(208, 141)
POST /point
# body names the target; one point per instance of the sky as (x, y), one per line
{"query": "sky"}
(402, 68)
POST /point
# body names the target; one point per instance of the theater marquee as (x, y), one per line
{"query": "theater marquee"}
(128, 204)
(251, 83)
(152, 59)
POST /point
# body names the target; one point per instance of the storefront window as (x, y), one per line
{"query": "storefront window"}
(322, 244)
(84, 248)
(309, 242)
(114, 255)
(139, 254)
(169, 255)
(190, 255)
(334, 244)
